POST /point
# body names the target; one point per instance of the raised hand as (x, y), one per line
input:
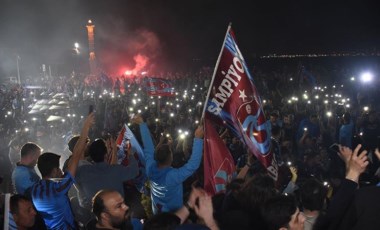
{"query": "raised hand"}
(89, 121)
(293, 170)
(194, 195)
(356, 163)
(345, 153)
(137, 119)
(204, 210)
(199, 132)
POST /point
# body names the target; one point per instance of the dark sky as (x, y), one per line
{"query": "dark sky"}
(44, 31)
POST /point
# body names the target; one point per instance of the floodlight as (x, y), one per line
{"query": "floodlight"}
(366, 77)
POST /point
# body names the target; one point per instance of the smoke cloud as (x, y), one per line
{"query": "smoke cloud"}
(121, 50)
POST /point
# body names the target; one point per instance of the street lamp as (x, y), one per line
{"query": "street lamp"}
(76, 47)
(76, 53)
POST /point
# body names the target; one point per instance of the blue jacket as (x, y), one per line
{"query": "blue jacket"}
(166, 183)
(346, 134)
(52, 202)
(312, 128)
(23, 178)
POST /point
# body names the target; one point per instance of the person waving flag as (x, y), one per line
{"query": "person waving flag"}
(233, 101)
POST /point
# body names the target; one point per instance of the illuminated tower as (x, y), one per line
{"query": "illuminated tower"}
(91, 46)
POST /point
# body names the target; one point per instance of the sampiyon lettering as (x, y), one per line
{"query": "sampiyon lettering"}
(226, 88)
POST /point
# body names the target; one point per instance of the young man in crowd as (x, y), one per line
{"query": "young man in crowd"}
(24, 176)
(346, 131)
(82, 216)
(313, 196)
(166, 181)
(311, 124)
(282, 213)
(23, 212)
(71, 145)
(50, 194)
(102, 175)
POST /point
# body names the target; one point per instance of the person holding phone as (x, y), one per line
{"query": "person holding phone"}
(50, 195)
(346, 131)
(90, 109)
(370, 130)
(312, 127)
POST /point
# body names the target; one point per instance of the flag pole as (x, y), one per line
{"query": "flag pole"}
(215, 69)
(158, 108)
(6, 211)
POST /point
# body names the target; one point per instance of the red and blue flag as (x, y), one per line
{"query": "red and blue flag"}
(158, 87)
(126, 141)
(219, 167)
(233, 101)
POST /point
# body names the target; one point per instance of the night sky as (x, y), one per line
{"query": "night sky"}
(173, 33)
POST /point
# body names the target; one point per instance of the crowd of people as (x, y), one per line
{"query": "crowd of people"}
(62, 163)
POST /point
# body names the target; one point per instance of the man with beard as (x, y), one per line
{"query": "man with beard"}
(111, 212)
